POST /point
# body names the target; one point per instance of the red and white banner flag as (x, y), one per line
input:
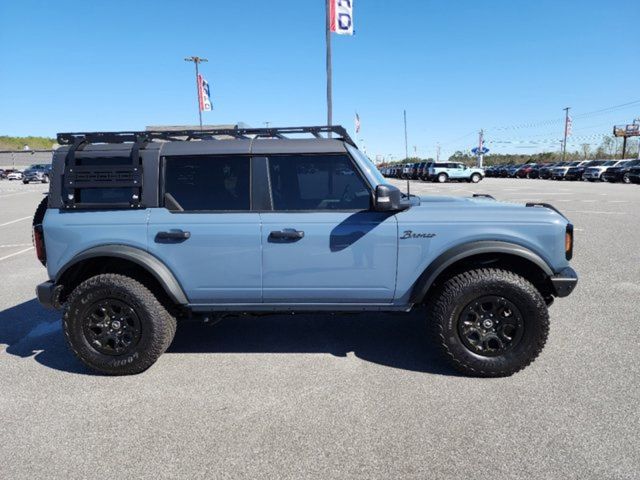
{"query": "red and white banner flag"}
(341, 16)
(568, 126)
(204, 97)
(357, 123)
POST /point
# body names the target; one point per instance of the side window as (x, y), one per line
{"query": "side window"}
(217, 183)
(317, 182)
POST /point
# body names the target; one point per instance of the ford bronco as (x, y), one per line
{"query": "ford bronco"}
(141, 230)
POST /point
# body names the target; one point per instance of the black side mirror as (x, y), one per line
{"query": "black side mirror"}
(389, 199)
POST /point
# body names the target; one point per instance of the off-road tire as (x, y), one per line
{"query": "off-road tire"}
(448, 302)
(158, 326)
(475, 178)
(442, 178)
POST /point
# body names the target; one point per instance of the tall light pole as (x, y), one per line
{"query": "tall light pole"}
(197, 61)
(329, 69)
(406, 147)
(566, 133)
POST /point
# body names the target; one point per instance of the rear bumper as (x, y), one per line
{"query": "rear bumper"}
(48, 294)
(564, 282)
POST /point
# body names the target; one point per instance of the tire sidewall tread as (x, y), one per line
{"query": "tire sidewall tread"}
(158, 326)
(452, 297)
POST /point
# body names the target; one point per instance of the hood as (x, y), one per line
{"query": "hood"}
(480, 209)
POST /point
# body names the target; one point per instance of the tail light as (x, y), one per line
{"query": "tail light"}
(38, 243)
(568, 242)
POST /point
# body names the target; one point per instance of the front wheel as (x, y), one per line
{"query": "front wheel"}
(626, 178)
(475, 178)
(489, 322)
(115, 325)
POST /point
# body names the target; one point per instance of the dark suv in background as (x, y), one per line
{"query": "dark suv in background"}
(621, 173)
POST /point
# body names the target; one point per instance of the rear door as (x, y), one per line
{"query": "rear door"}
(322, 243)
(205, 231)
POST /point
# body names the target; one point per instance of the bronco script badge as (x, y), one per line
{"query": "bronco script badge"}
(411, 234)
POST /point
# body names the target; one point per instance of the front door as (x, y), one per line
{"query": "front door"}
(206, 233)
(322, 244)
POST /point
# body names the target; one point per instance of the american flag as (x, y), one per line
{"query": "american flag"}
(357, 123)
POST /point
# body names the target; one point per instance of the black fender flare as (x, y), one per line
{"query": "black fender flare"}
(138, 256)
(465, 250)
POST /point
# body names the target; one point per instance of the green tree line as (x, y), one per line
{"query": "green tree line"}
(19, 143)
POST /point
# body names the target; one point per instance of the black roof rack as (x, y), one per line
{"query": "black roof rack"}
(205, 134)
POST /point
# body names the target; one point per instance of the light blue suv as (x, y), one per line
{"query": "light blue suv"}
(445, 171)
(142, 230)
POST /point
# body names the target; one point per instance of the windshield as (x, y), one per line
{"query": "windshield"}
(370, 170)
(609, 163)
(595, 163)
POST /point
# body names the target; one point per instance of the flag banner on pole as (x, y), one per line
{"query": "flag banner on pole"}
(204, 97)
(569, 126)
(341, 16)
(357, 123)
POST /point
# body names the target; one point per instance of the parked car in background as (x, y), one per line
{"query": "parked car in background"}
(511, 171)
(545, 171)
(445, 171)
(620, 173)
(634, 174)
(594, 173)
(39, 176)
(525, 171)
(575, 173)
(559, 173)
(13, 174)
(423, 170)
(490, 171)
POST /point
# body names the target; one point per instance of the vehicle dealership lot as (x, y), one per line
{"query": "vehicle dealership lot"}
(357, 396)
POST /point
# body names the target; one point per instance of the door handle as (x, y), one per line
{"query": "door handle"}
(172, 235)
(286, 235)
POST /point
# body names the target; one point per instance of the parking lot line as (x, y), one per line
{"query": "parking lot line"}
(16, 253)
(15, 245)
(14, 221)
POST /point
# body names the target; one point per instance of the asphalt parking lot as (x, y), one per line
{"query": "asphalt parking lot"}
(357, 396)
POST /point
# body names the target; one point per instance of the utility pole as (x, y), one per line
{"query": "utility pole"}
(437, 153)
(197, 61)
(406, 148)
(415, 151)
(480, 147)
(329, 70)
(266, 124)
(637, 120)
(566, 132)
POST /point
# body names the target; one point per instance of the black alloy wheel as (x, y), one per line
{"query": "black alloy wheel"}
(490, 326)
(112, 327)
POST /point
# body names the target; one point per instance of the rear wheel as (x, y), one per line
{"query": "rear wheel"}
(115, 325)
(489, 322)
(442, 177)
(625, 178)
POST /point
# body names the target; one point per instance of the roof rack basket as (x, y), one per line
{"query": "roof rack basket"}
(205, 134)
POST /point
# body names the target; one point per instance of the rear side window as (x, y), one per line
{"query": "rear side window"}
(317, 182)
(211, 183)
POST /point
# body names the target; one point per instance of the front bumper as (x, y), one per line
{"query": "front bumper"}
(564, 282)
(48, 294)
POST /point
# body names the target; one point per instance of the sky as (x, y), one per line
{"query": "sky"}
(509, 67)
